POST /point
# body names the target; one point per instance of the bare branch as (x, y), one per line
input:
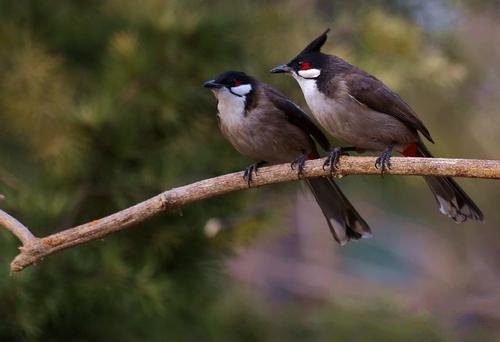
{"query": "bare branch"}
(16, 227)
(34, 249)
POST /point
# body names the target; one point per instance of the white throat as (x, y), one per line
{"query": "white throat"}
(319, 104)
(231, 107)
(308, 86)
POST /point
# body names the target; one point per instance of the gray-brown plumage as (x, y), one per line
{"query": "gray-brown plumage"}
(361, 111)
(265, 126)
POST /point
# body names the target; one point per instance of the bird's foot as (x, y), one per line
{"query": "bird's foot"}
(250, 171)
(384, 160)
(299, 163)
(332, 161)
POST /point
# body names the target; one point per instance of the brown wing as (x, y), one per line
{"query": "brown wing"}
(374, 94)
(297, 117)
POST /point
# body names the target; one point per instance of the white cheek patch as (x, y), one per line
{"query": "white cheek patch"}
(311, 73)
(242, 90)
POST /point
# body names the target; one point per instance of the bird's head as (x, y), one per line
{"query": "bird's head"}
(231, 83)
(308, 64)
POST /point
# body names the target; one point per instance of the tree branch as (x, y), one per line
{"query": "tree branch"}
(34, 249)
(16, 227)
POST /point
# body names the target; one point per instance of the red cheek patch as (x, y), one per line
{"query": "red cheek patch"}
(305, 66)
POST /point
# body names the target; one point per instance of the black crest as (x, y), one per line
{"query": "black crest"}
(315, 45)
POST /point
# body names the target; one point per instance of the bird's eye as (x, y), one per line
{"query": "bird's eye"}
(305, 66)
(236, 83)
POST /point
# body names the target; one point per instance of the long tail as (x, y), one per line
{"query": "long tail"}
(451, 198)
(344, 221)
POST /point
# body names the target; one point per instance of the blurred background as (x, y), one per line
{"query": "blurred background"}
(101, 106)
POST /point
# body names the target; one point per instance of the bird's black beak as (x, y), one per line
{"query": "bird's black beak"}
(283, 68)
(212, 85)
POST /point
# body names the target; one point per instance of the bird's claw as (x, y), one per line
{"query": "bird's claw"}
(384, 161)
(249, 171)
(332, 161)
(299, 163)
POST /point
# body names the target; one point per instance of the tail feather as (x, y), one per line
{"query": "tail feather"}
(451, 198)
(344, 221)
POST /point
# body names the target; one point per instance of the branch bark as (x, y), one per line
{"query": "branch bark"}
(16, 227)
(34, 249)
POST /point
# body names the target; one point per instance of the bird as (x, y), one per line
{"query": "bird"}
(361, 111)
(265, 126)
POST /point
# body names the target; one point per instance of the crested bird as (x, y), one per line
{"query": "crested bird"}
(361, 111)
